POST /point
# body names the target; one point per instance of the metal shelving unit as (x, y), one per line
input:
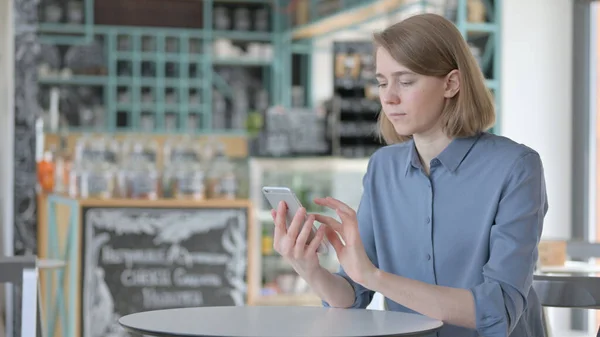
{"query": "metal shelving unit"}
(176, 66)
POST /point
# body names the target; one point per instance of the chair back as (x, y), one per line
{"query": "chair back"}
(22, 270)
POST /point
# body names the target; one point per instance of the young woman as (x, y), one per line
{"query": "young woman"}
(451, 216)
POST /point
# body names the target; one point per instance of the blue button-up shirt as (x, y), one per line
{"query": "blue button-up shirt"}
(473, 223)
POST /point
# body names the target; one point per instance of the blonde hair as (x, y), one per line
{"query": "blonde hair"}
(430, 45)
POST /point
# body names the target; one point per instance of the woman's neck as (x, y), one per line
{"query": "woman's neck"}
(430, 145)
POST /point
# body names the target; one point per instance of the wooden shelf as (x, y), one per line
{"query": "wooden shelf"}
(236, 146)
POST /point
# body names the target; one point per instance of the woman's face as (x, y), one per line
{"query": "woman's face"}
(413, 103)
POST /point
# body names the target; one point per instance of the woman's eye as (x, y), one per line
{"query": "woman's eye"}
(381, 85)
(406, 84)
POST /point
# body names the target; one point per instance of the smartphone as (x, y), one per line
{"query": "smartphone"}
(277, 194)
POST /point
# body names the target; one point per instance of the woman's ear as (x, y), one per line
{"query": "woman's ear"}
(452, 85)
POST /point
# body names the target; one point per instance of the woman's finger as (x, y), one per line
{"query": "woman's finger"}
(342, 206)
(296, 225)
(329, 221)
(333, 204)
(275, 231)
(280, 226)
(346, 218)
(334, 239)
(324, 202)
(302, 239)
(316, 241)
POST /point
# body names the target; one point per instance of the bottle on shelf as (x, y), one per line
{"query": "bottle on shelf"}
(222, 181)
(75, 180)
(139, 177)
(189, 182)
(63, 162)
(185, 170)
(142, 179)
(80, 157)
(93, 171)
(45, 172)
(97, 181)
(98, 168)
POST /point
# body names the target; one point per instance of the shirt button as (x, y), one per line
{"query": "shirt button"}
(428, 257)
(428, 220)
(435, 162)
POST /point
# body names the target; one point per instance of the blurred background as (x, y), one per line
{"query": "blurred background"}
(136, 135)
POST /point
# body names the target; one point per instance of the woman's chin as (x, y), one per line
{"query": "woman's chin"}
(403, 130)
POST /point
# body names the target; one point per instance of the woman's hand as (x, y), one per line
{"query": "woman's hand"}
(292, 244)
(351, 252)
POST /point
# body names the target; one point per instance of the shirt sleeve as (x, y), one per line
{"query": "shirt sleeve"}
(502, 298)
(362, 295)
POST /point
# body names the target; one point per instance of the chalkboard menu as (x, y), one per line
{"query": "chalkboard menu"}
(141, 259)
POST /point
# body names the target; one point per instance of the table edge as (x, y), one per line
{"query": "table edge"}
(159, 334)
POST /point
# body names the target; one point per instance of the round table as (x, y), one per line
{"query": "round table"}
(271, 321)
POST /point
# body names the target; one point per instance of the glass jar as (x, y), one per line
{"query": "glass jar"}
(222, 182)
(229, 185)
(97, 182)
(143, 181)
(189, 183)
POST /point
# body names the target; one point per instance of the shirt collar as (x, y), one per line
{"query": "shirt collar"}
(451, 157)
(413, 157)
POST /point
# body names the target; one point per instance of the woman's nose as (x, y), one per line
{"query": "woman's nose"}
(390, 97)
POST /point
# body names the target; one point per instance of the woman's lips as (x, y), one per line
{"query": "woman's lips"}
(397, 115)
